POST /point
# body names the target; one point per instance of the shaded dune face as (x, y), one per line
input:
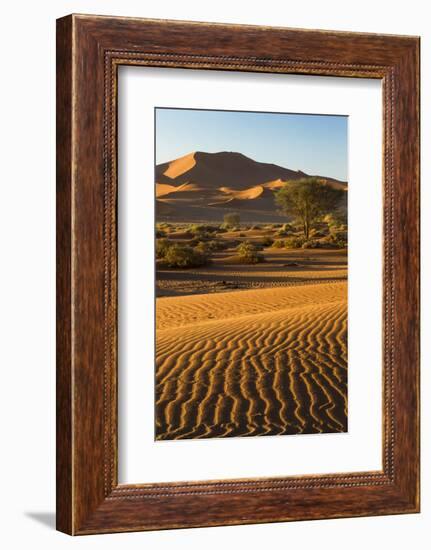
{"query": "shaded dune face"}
(258, 362)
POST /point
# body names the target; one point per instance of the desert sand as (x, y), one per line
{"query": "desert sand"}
(262, 362)
(246, 348)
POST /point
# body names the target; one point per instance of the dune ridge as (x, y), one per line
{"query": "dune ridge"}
(264, 362)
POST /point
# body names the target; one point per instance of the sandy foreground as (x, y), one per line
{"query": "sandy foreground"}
(253, 362)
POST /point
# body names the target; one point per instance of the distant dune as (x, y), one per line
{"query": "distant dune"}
(163, 189)
(220, 181)
(247, 194)
(180, 166)
(262, 362)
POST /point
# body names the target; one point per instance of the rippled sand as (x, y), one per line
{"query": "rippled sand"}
(254, 362)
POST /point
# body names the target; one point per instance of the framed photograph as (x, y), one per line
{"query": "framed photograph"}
(237, 274)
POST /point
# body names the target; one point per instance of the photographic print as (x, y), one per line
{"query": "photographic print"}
(251, 273)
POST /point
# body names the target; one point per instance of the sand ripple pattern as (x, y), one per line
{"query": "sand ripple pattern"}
(256, 362)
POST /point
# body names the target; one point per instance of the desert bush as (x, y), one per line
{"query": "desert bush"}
(248, 253)
(338, 235)
(219, 244)
(332, 242)
(185, 256)
(162, 246)
(196, 228)
(288, 227)
(336, 220)
(294, 242)
(340, 240)
(221, 229)
(160, 233)
(310, 244)
(203, 248)
(231, 219)
(341, 235)
(201, 229)
(278, 244)
(330, 220)
(267, 241)
(206, 247)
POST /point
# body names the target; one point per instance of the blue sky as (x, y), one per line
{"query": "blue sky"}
(315, 144)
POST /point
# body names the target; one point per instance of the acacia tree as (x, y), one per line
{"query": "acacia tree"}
(308, 199)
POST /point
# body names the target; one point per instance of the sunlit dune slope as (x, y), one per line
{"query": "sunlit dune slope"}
(247, 194)
(180, 166)
(163, 189)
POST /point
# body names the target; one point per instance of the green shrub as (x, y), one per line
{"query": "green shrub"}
(310, 244)
(162, 246)
(185, 256)
(294, 242)
(338, 236)
(336, 219)
(217, 245)
(248, 253)
(199, 230)
(207, 247)
(288, 227)
(267, 241)
(278, 244)
(332, 242)
(203, 247)
(340, 239)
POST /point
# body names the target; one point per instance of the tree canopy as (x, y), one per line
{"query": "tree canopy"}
(307, 200)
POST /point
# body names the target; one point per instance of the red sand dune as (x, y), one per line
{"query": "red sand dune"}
(222, 180)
